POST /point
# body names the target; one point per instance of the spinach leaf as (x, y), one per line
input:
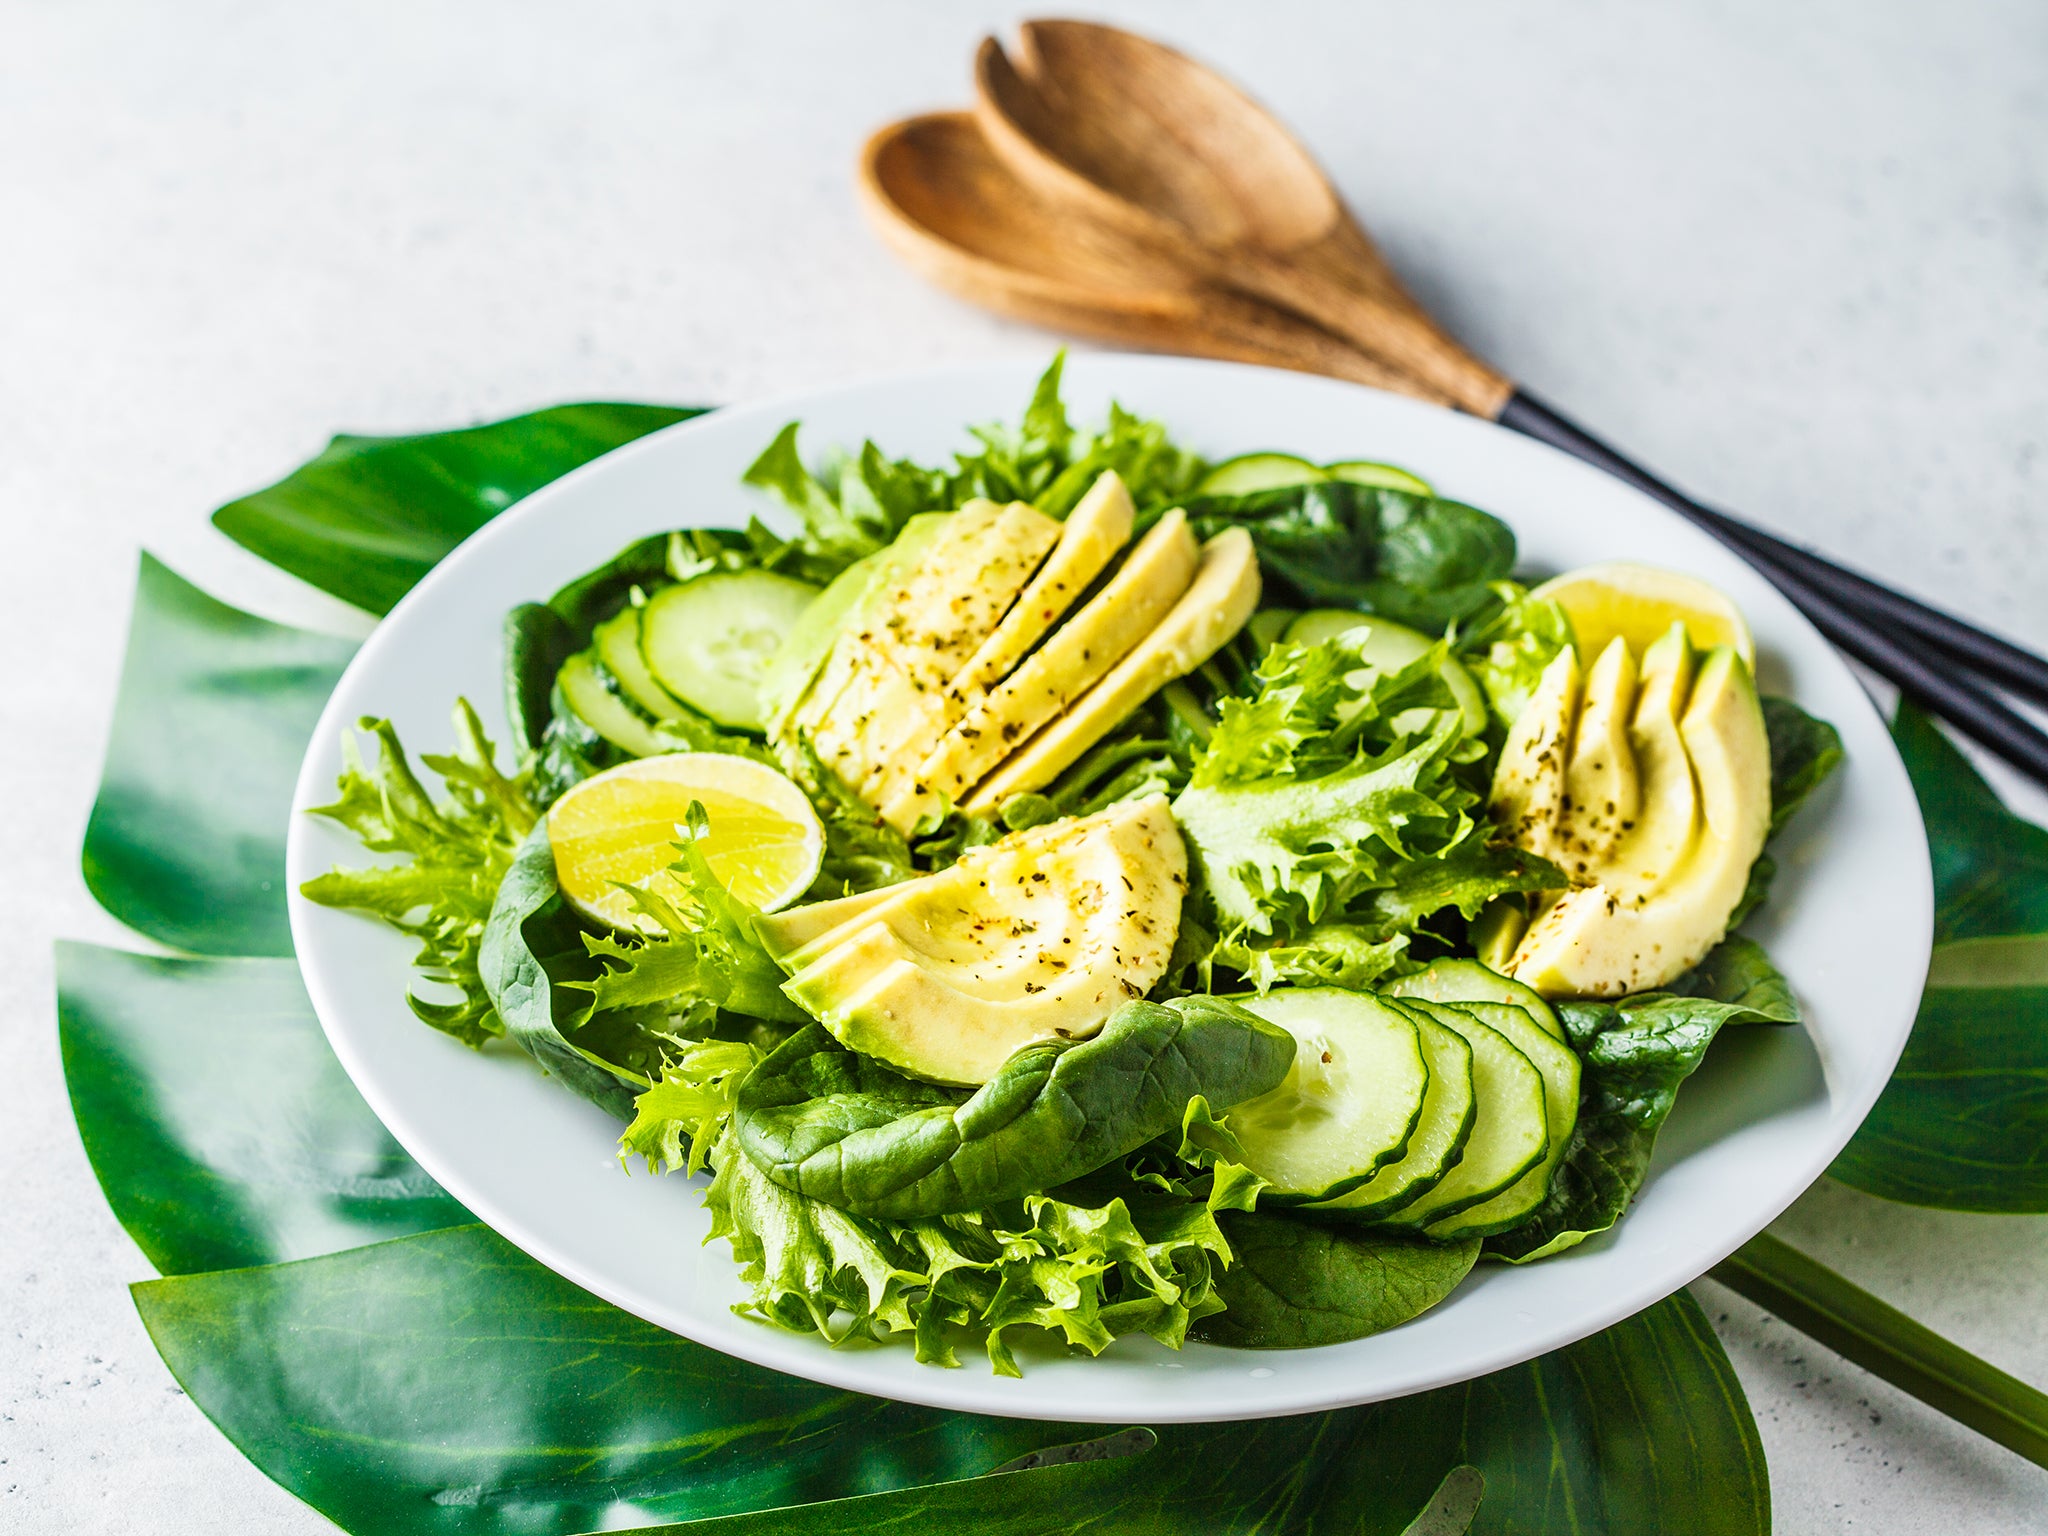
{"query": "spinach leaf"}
(1804, 752)
(1962, 1123)
(1417, 560)
(186, 840)
(1294, 1284)
(842, 1128)
(1636, 1053)
(456, 852)
(372, 515)
(221, 1128)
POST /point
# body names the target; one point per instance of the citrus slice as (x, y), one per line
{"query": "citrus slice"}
(1639, 603)
(620, 829)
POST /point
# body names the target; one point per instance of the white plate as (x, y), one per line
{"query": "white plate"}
(1850, 920)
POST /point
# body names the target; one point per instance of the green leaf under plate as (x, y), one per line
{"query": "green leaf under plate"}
(221, 1127)
(446, 1383)
(186, 841)
(1963, 1122)
(372, 515)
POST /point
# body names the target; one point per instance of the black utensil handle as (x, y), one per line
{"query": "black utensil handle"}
(1934, 680)
(2009, 665)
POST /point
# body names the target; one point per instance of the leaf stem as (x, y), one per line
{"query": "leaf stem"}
(1887, 1343)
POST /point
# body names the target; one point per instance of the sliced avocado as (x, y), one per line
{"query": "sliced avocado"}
(1600, 784)
(1036, 937)
(1215, 606)
(1094, 531)
(787, 681)
(879, 700)
(1592, 942)
(1126, 610)
(1528, 784)
(1667, 816)
(784, 934)
(1499, 928)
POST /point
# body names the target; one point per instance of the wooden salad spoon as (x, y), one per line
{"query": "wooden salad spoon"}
(1130, 136)
(953, 212)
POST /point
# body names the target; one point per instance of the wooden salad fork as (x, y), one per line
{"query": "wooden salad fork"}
(1121, 189)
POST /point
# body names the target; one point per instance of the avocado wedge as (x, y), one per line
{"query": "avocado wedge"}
(1033, 938)
(1113, 622)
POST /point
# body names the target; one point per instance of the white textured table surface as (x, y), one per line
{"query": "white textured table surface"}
(1794, 258)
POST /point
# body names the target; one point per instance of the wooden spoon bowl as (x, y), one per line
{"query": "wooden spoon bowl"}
(1132, 135)
(950, 207)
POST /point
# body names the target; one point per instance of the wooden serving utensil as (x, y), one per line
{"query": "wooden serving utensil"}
(1128, 135)
(951, 209)
(1145, 140)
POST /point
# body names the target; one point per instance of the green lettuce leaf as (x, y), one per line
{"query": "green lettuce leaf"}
(709, 958)
(856, 504)
(1086, 1273)
(843, 1128)
(455, 853)
(1636, 1053)
(1804, 752)
(1507, 652)
(1417, 560)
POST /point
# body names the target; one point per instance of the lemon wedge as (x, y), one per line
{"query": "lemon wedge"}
(1639, 603)
(620, 828)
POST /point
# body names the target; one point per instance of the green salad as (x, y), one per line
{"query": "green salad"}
(1085, 890)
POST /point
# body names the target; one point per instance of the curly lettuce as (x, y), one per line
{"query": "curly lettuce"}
(454, 852)
(1332, 815)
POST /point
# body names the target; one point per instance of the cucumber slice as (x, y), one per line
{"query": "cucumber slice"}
(1439, 1138)
(592, 694)
(1268, 625)
(709, 640)
(1511, 1130)
(1389, 476)
(617, 643)
(1348, 1105)
(1250, 472)
(1559, 1065)
(1467, 981)
(1390, 646)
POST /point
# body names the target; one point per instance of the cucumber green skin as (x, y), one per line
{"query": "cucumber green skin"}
(1250, 472)
(1389, 476)
(1559, 1066)
(1268, 625)
(1422, 1167)
(617, 643)
(1467, 981)
(1447, 1198)
(1366, 1161)
(593, 696)
(677, 620)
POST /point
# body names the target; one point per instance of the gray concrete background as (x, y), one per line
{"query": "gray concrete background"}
(1797, 257)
